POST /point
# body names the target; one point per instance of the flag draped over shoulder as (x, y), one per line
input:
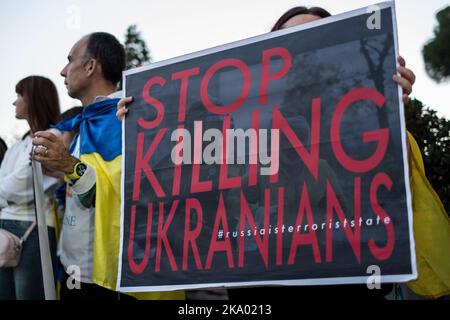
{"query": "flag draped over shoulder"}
(101, 148)
(431, 232)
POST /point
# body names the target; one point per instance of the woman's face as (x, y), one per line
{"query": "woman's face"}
(299, 19)
(21, 107)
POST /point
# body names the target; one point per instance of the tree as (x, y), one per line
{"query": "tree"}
(136, 49)
(436, 53)
(375, 52)
(432, 134)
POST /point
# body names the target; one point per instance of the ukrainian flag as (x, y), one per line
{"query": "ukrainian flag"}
(101, 148)
(431, 226)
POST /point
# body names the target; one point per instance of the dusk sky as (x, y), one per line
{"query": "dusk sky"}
(38, 35)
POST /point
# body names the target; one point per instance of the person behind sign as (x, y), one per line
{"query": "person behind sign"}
(301, 15)
(433, 277)
(89, 244)
(37, 103)
(293, 17)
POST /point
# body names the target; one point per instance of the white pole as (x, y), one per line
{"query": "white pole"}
(46, 260)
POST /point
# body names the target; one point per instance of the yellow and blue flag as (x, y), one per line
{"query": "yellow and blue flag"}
(101, 148)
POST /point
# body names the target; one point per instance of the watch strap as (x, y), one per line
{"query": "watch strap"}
(74, 175)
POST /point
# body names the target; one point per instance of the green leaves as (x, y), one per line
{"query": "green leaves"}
(436, 53)
(432, 133)
(137, 52)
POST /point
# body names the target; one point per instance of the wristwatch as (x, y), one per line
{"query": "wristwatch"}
(78, 170)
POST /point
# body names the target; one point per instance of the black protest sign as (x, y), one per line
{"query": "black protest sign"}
(278, 159)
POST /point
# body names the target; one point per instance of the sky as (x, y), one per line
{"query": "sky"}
(38, 35)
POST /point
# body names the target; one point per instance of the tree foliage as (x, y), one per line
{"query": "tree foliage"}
(137, 52)
(432, 133)
(436, 52)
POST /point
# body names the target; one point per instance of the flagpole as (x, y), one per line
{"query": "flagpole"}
(44, 247)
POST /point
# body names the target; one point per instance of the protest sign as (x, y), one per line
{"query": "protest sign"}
(279, 159)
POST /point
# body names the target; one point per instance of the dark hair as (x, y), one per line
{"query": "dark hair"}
(316, 11)
(70, 113)
(109, 52)
(3, 148)
(42, 99)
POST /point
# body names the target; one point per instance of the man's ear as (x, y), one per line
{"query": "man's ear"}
(91, 66)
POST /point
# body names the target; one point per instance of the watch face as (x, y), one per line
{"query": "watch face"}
(81, 169)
